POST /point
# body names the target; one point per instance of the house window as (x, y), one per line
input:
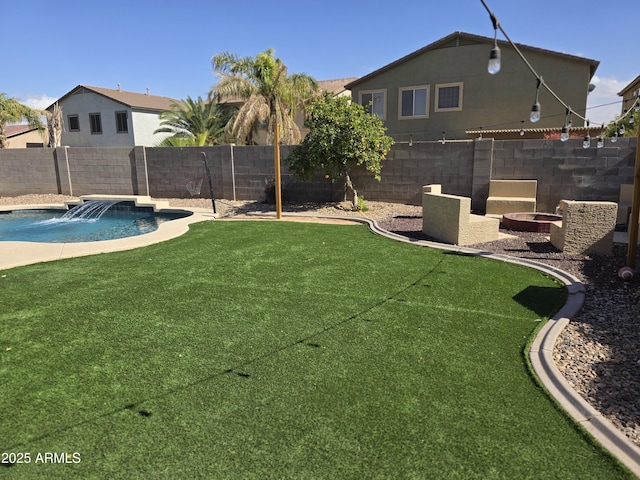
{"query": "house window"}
(448, 97)
(374, 102)
(414, 102)
(73, 123)
(96, 123)
(122, 124)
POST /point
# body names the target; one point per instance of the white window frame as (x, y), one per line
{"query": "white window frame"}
(382, 91)
(437, 97)
(413, 89)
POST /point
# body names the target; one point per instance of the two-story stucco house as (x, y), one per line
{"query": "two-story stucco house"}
(104, 117)
(445, 87)
(630, 95)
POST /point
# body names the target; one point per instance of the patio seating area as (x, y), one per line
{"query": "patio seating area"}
(510, 196)
(585, 228)
(448, 218)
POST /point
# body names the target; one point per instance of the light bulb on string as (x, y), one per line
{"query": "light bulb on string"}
(622, 130)
(411, 140)
(586, 143)
(480, 136)
(494, 55)
(564, 134)
(443, 137)
(614, 139)
(600, 143)
(522, 128)
(535, 109)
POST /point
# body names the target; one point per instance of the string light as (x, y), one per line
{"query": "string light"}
(564, 135)
(535, 109)
(494, 54)
(600, 143)
(480, 136)
(428, 135)
(587, 139)
(443, 137)
(411, 140)
(569, 121)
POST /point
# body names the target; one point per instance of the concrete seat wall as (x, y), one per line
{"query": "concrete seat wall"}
(511, 196)
(585, 228)
(448, 218)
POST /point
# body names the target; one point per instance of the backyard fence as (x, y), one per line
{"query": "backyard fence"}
(563, 170)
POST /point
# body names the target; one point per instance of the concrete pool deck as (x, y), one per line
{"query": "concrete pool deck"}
(16, 254)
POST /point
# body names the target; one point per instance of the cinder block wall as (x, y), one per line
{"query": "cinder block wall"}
(28, 170)
(464, 168)
(407, 169)
(565, 170)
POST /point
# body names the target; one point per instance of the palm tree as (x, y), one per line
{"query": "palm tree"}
(269, 94)
(12, 111)
(193, 123)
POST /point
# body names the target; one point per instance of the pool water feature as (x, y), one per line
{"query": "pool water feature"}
(91, 221)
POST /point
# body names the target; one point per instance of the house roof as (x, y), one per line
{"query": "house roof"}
(142, 101)
(631, 85)
(473, 38)
(336, 86)
(15, 130)
(515, 132)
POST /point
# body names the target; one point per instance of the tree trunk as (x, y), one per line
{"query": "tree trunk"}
(351, 189)
(3, 138)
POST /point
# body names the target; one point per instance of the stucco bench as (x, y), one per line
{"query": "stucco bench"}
(510, 196)
(448, 218)
(586, 227)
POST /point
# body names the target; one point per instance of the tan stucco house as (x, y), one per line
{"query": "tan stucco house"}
(630, 94)
(25, 136)
(445, 87)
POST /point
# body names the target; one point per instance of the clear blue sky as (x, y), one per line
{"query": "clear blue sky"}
(50, 47)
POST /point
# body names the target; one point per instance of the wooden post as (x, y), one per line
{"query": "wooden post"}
(635, 210)
(276, 161)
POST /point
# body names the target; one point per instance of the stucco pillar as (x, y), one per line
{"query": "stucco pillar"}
(482, 161)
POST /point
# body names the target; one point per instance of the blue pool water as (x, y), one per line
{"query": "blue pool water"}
(49, 226)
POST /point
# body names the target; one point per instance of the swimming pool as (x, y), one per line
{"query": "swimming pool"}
(121, 220)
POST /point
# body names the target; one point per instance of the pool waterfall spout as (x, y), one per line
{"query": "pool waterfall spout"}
(89, 210)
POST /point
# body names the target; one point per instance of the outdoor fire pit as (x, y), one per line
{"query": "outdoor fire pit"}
(529, 221)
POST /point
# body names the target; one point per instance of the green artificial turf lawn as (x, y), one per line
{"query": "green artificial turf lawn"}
(282, 350)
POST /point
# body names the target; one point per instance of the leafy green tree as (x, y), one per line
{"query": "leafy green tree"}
(342, 137)
(269, 94)
(12, 111)
(629, 125)
(193, 123)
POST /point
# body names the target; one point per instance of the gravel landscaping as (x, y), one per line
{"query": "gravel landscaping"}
(599, 351)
